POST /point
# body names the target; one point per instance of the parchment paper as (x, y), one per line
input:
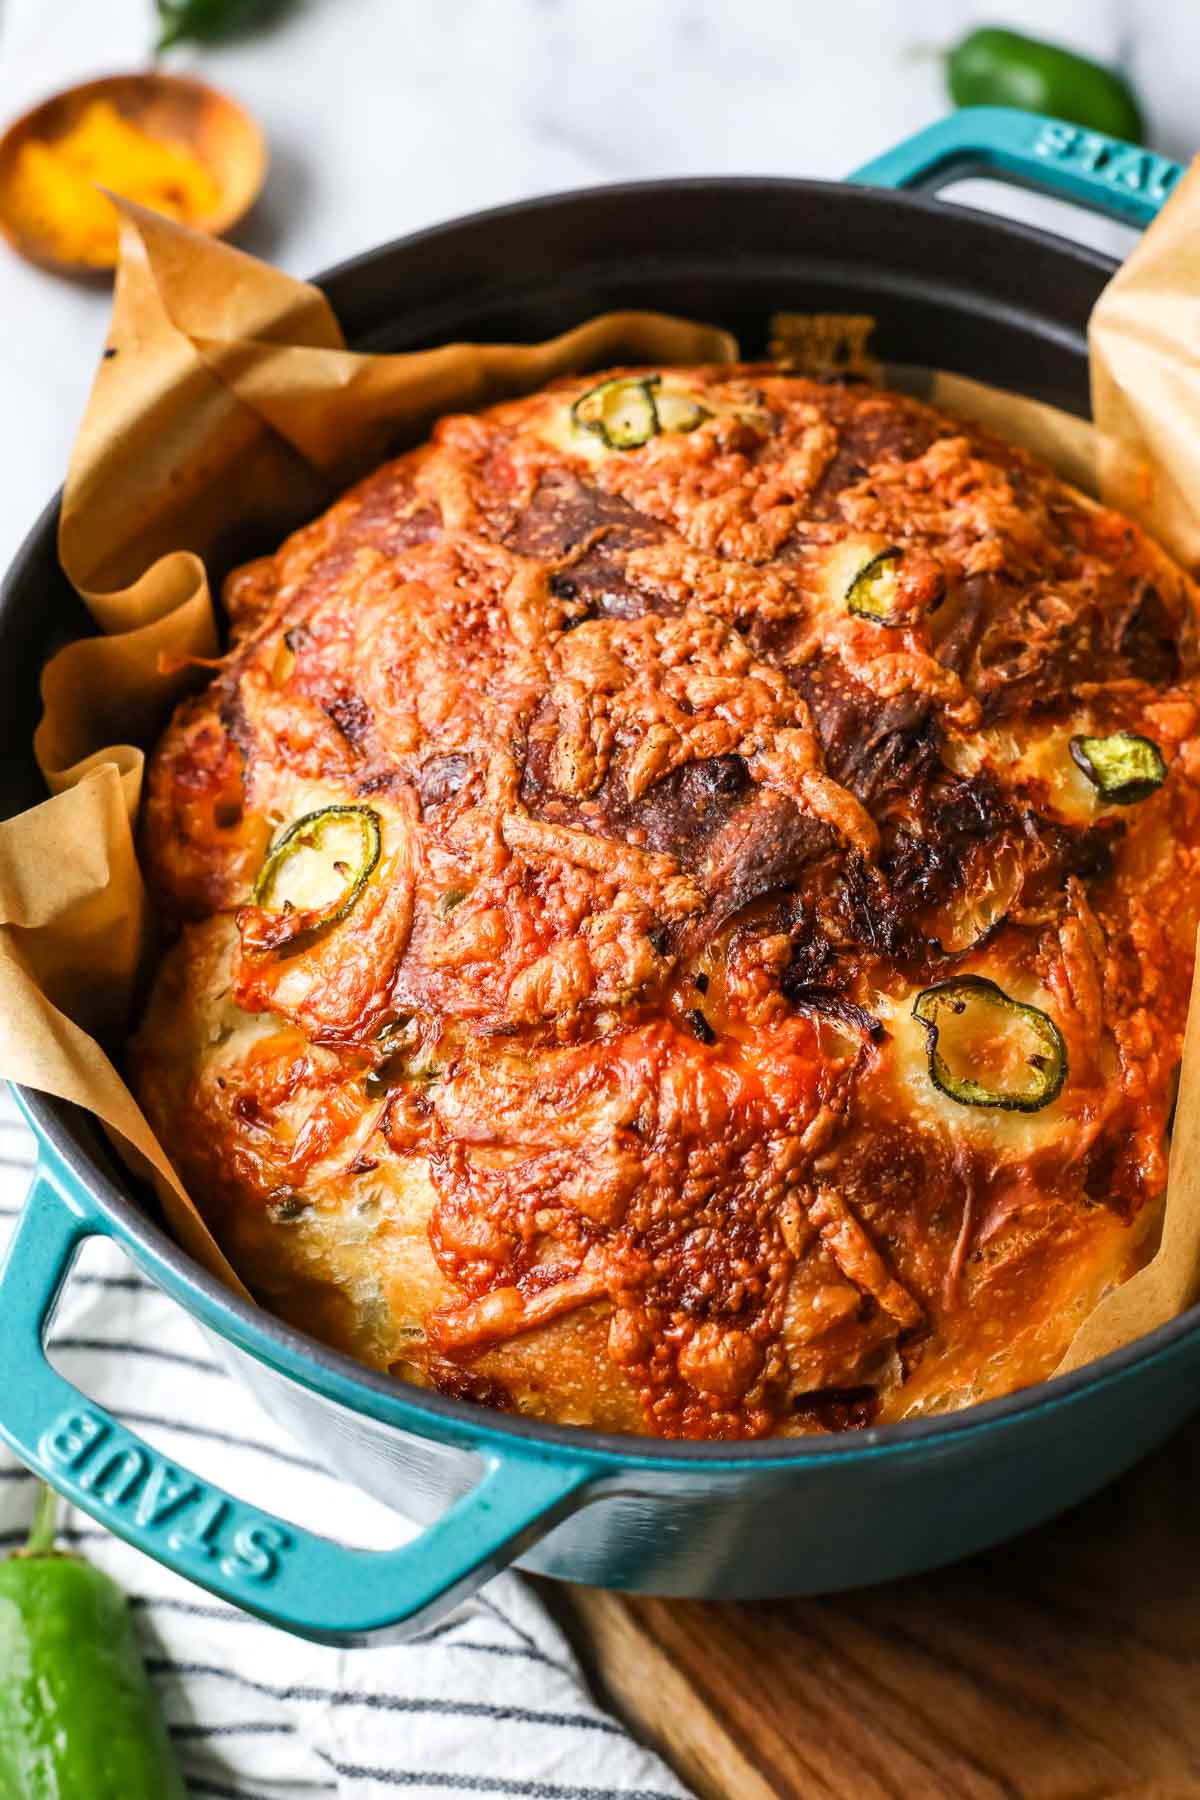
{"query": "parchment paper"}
(227, 404)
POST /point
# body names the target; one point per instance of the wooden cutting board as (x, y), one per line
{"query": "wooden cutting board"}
(1064, 1666)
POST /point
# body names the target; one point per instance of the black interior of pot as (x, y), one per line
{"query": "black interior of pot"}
(950, 288)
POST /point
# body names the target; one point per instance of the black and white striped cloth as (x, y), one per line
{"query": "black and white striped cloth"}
(491, 1703)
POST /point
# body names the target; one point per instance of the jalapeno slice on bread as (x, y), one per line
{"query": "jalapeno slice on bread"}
(987, 1049)
(628, 410)
(620, 412)
(1123, 768)
(872, 591)
(315, 872)
(679, 413)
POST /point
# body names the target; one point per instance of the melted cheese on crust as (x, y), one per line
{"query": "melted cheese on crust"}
(605, 1100)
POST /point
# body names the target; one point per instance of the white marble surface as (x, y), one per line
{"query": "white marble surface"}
(386, 115)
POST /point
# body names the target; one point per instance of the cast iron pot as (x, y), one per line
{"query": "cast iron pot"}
(950, 288)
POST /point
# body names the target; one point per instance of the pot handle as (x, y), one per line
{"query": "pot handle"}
(1028, 150)
(288, 1576)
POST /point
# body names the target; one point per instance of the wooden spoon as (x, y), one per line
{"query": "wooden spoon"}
(174, 108)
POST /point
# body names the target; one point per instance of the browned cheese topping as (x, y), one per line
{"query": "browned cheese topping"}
(683, 740)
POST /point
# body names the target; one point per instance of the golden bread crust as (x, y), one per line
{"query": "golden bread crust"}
(604, 1099)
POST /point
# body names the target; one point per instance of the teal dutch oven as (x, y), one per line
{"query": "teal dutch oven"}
(952, 288)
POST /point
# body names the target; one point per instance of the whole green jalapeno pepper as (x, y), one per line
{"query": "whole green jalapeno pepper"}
(209, 21)
(991, 67)
(79, 1719)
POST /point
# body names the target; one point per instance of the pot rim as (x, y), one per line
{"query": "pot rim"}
(347, 1382)
(928, 204)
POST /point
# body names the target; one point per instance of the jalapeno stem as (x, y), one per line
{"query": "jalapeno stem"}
(40, 1541)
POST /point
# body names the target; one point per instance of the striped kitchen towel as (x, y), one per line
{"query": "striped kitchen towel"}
(491, 1702)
